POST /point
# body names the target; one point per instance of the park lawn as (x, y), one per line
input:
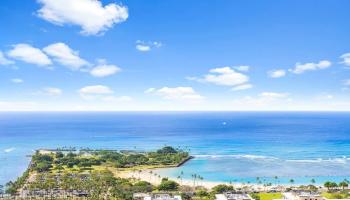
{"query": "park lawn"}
(330, 195)
(270, 196)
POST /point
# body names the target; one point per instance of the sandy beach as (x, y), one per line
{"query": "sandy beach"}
(150, 175)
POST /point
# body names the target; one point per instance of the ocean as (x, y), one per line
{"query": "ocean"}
(246, 147)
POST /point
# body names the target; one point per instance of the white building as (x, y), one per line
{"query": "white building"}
(233, 196)
(145, 196)
(302, 195)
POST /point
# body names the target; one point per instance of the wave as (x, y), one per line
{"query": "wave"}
(339, 160)
(342, 160)
(238, 156)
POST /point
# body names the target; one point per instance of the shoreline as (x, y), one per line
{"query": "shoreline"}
(150, 175)
(154, 178)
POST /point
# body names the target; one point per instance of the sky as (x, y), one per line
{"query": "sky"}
(139, 55)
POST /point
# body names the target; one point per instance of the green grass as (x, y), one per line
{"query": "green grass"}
(269, 196)
(329, 195)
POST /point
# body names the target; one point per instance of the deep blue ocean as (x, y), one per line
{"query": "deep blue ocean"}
(228, 146)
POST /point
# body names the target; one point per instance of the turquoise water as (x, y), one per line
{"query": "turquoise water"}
(228, 146)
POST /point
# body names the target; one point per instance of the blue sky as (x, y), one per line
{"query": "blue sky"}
(174, 55)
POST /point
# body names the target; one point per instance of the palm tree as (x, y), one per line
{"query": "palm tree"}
(194, 176)
(328, 185)
(343, 184)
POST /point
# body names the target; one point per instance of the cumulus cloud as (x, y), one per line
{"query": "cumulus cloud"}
(101, 92)
(64, 55)
(242, 87)
(143, 47)
(301, 68)
(16, 80)
(29, 54)
(277, 73)
(49, 91)
(91, 15)
(104, 70)
(4, 60)
(147, 46)
(95, 90)
(176, 93)
(346, 59)
(225, 76)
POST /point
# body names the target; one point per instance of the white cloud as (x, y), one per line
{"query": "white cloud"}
(225, 76)
(346, 59)
(147, 46)
(274, 95)
(90, 15)
(104, 70)
(150, 90)
(4, 60)
(243, 68)
(101, 92)
(51, 91)
(277, 73)
(142, 47)
(64, 55)
(29, 54)
(301, 68)
(9, 150)
(176, 93)
(16, 80)
(95, 89)
(263, 101)
(242, 87)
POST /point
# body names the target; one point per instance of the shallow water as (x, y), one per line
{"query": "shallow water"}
(229, 146)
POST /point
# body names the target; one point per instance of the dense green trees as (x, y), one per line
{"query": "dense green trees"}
(330, 185)
(167, 150)
(164, 156)
(168, 185)
(343, 184)
(143, 186)
(75, 171)
(96, 185)
(222, 188)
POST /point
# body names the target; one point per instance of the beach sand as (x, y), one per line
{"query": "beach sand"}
(150, 175)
